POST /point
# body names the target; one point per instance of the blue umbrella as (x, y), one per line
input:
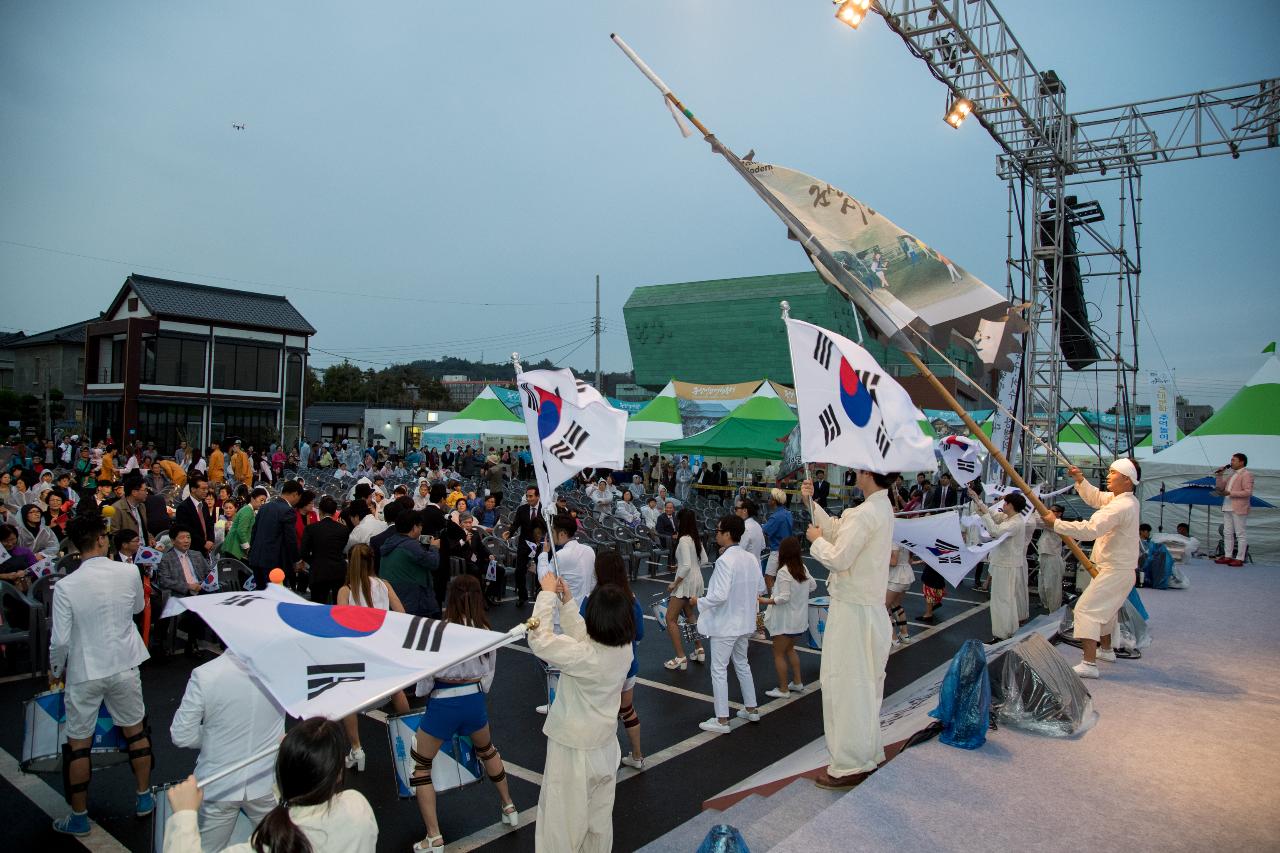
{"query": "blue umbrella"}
(1199, 493)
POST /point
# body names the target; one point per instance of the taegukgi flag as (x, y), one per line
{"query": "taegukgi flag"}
(961, 455)
(571, 427)
(937, 540)
(317, 660)
(851, 411)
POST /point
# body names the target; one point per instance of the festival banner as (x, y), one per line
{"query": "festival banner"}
(318, 660)
(1164, 414)
(702, 405)
(851, 411)
(1001, 430)
(937, 540)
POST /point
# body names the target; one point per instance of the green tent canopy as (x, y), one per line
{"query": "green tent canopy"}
(757, 429)
(658, 421)
(485, 415)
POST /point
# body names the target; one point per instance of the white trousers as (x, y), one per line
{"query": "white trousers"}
(218, 820)
(1004, 604)
(1096, 609)
(1234, 540)
(1051, 566)
(855, 649)
(1022, 593)
(575, 806)
(722, 650)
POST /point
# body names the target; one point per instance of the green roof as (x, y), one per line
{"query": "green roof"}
(760, 408)
(757, 429)
(1078, 432)
(1254, 410)
(664, 409)
(1146, 442)
(487, 407)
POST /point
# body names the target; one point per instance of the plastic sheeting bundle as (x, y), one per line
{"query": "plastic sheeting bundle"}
(723, 838)
(964, 703)
(1131, 635)
(1034, 689)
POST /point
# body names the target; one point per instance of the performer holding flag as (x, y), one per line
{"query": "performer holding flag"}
(854, 414)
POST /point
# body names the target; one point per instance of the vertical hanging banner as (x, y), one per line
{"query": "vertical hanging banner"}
(1164, 415)
(851, 411)
(1006, 392)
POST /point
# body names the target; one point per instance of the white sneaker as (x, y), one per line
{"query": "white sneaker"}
(637, 763)
(749, 716)
(796, 687)
(355, 758)
(777, 694)
(543, 709)
(1107, 655)
(714, 725)
(1085, 669)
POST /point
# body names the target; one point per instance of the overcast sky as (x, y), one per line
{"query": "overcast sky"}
(428, 178)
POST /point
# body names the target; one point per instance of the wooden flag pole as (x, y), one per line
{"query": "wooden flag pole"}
(1014, 476)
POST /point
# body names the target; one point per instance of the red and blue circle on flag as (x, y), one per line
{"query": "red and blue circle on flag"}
(549, 406)
(854, 396)
(331, 622)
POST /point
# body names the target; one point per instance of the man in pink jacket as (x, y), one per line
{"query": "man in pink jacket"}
(1236, 484)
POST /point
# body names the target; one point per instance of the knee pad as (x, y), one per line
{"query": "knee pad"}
(630, 719)
(421, 764)
(143, 751)
(69, 755)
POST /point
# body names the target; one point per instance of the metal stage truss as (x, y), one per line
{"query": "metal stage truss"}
(1066, 172)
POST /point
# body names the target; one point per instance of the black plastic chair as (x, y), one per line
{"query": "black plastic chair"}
(18, 608)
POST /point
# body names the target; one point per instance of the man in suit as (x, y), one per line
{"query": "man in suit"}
(181, 571)
(129, 512)
(821, 488)
(945, 495)
(528, 516)
(195, 516)
(322, 549)
(275, 536)
(1235, 484)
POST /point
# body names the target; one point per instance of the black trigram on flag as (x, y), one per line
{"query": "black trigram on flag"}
(530, 396)
(239, 600)
(946, 552)
(323, 676)
(966, 465)
(882, 440)
(424, 634)
(830, 425)
(568, 446)
(822, 352)
(869, 380)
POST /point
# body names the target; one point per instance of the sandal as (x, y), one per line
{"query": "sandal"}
(430, 844)
(699, 655)
(509, 815)
(677, 663)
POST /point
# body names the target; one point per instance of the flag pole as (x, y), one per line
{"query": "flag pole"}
(786, 315)
(999, 457)
(507, 639)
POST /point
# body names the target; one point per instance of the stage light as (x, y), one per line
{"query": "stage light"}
(1235, 150)
(852, 12)
(959, 111)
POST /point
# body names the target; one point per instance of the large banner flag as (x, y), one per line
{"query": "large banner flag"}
(317, 660)
(937, 540)
(961, 456)
(1164, 414)
(851, 411)
(571, 426)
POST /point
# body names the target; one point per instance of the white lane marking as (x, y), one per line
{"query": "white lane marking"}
(51, 803)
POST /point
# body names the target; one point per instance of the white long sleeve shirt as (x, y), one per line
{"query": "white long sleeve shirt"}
(577, 565)
(345, 824)
(1013, 550)
(93, 631)
(1113, 528)
(753, 541)
(791, 603)
(729, 607)
(855, 549)
(227, 715)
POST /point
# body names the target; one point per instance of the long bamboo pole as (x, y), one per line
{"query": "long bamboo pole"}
(1014, 476)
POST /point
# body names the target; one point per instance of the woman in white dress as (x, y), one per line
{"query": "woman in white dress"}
(900, 579)
(365, 589)
(788, 616)
(1006, 561)
(687, 584)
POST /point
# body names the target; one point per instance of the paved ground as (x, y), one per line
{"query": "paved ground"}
(687, 765)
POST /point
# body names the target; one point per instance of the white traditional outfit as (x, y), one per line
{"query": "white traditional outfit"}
(1049, 550)
(1006, 562)
(1023, 577)
(855, 549)
(727, 617)
(575, 805)
(1114, 531)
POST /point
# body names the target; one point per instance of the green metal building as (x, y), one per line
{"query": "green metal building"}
(730, 330)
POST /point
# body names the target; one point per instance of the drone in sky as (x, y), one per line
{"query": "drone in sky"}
(238, 126)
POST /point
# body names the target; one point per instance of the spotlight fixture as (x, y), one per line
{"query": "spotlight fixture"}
(853, 12)
(959, 111)
(1235, 150)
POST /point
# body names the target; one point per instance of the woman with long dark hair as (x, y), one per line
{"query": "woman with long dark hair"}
(611, 570)
(456, 705)
(314, 815)
(687, 584)
(788, 615)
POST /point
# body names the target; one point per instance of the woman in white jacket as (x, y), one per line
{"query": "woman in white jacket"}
(686, 586)
(1006, 560)
(788, 615)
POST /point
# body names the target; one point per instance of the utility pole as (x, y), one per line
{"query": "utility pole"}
(596, 326)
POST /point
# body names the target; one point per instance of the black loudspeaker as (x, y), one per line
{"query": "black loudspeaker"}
(1075, 334)
(1033, 688)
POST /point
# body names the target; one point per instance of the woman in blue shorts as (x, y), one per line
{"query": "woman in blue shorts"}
(455, 705)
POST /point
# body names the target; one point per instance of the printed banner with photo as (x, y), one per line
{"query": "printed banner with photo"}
(703, 405)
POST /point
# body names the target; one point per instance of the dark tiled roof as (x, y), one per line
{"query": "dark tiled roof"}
(72, 334)
(180, 300)
(11, 338)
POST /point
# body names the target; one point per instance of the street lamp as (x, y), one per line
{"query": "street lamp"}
(852, 12)
(959, 111)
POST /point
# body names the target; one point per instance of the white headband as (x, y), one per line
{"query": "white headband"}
(1126, 467)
